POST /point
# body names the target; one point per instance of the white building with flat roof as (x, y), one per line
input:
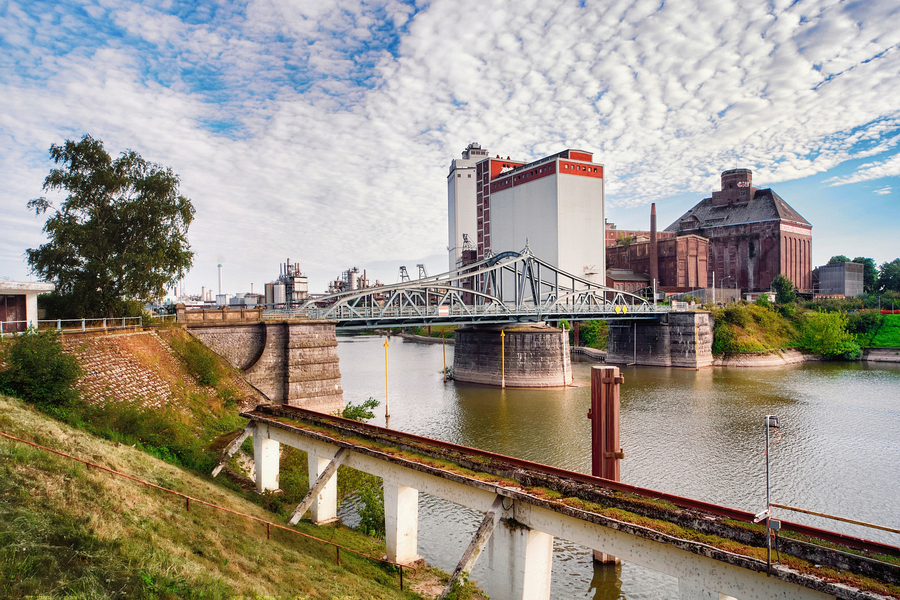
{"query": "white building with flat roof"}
(18, 304)
(554, 205)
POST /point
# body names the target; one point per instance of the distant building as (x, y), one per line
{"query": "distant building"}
(845, 278)
(753, 235)
(18, 304)
(681, 262)
(613, 235)
(627, 280)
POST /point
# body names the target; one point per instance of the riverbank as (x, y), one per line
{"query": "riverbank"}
(424, 339)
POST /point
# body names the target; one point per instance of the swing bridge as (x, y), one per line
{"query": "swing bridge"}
(509, 287)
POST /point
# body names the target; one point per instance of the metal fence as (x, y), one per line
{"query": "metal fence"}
(74, 325)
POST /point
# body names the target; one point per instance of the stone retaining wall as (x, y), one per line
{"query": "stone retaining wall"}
(292, 362)
(881, 355)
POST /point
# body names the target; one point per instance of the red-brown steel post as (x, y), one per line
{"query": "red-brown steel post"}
(604, 415)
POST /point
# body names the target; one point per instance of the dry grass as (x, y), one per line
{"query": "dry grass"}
(66, 529)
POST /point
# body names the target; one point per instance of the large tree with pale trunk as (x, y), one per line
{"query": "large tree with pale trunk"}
(119, 235)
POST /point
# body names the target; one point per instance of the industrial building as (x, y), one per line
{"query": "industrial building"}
(753, 235)
(673, 264)
(842, 279)
(615, 235)
(554, 205)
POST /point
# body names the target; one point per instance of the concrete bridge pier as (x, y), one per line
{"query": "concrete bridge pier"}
(523, 355)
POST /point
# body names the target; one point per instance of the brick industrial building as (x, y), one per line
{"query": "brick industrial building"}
(672, 264)
(753, 235)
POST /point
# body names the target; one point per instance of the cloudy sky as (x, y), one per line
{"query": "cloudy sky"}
(322, 130)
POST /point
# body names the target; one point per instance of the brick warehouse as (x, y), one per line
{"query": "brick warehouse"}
(753, 235)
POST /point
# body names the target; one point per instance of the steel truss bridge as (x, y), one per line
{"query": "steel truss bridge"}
(504, 288)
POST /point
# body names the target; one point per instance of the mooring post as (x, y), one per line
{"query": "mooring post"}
(604, 415)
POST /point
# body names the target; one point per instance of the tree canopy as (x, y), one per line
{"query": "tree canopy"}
(889, 276)
(870, 274)
(120, 234)
(784, 290)
(840, 258)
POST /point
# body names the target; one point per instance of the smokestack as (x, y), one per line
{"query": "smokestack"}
(654, 256)
(220, 279)
(203, 293)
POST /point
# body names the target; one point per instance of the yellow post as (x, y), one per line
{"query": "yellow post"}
(444, 349)
(387, 408)
(502, 359)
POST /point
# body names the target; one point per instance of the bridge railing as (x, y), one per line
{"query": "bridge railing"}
(456, 313)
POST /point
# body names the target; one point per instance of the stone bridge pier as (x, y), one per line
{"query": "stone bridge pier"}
(677, 339)
(292, 362)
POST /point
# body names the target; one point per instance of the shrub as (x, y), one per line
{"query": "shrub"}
(360, 412)
(200, 361)
(826, 335)
(594, 334)
(38, 371)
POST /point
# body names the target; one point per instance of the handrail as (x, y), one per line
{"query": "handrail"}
(81, 325)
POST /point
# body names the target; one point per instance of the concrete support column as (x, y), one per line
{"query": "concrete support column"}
(689, 590)
(401, 522)
(519, 563)
(266, 459)
(324, 507)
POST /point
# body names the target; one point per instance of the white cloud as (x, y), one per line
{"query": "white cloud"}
(883, 191)
(323, 131)
(873, 170)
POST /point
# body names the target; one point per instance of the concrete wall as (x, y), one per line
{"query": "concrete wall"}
(678, 339)
(291, 362)
(535, 356)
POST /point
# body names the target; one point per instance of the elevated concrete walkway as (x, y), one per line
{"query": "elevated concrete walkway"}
(711, 555)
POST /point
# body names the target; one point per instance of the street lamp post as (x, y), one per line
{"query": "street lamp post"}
(772, 525)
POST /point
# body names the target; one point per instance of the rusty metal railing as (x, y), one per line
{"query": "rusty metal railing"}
(188, 499)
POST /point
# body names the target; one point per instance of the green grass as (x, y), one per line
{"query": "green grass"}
(67, 530)
(889, 334)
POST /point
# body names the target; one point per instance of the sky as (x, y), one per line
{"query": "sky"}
(322, 131)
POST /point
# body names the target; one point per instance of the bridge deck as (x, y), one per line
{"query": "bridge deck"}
(828, 562)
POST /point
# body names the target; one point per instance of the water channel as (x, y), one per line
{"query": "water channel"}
(692, 433)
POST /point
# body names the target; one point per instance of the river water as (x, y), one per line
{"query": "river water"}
(693, 433)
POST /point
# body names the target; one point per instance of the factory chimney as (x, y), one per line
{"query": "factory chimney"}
(203, 293)
(654, 256)
(220, 278)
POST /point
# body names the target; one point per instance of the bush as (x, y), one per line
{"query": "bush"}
(202, 362)
(360, 412)
(826, 335)
(38, 371)
(593, 334)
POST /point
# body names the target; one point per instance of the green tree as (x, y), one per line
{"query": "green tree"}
(870, 274)
(889, 276)
(38, 371)
(840, 258)
(120, 234)
(826, 334)
(784, 290)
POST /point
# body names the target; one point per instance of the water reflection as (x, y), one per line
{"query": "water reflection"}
(692, 433)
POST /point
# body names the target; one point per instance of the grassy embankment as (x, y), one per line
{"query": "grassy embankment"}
(888, 335)
(68, 530)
